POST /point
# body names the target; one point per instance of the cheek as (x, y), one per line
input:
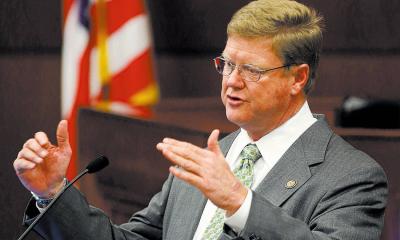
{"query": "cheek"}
(223, 91)
(271, 96)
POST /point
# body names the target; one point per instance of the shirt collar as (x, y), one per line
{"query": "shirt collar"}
(279, 139)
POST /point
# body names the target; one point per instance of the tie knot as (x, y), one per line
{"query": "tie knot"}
(250, 152)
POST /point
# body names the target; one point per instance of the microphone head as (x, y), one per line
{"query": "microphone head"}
(97, 164)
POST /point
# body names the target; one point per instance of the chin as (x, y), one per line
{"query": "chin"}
(235, 118)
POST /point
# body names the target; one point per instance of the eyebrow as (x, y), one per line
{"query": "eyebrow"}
(255, 67)
(258, 68)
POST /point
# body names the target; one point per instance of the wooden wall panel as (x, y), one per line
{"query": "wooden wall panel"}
(358, 25)
(200, 26)
(30, 26)
(29, 102)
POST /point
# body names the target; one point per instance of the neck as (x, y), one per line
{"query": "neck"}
(257, 132)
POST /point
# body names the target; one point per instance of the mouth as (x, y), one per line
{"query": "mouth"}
(234, 100)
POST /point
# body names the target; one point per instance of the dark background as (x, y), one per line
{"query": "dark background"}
(361, 57)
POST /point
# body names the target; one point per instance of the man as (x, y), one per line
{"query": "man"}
(283, 175)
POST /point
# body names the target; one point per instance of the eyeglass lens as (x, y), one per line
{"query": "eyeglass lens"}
(226, 68)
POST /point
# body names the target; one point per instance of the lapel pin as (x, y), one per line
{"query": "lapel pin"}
(291, 184)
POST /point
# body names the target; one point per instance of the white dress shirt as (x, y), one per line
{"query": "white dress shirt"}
(272, 147)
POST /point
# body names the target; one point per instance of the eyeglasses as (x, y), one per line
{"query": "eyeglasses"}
(249, 72)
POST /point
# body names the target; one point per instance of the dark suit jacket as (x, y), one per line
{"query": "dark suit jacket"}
(337, 192)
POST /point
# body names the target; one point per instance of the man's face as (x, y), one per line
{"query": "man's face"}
(256, 106)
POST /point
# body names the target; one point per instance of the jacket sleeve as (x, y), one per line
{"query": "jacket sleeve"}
(71, 217)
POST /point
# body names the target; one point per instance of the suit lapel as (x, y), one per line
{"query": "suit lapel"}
(191, 215)
(293, 169)
(290, 170)
(226, 143)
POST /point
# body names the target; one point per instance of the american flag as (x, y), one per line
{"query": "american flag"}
(106, 60)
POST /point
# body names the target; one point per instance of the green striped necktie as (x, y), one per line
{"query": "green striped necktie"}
(245, 173)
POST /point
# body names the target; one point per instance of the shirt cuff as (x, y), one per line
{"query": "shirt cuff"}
(37, 198)
(238, 220)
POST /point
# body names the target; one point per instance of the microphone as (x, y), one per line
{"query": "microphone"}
(94, 166)
(97, 164)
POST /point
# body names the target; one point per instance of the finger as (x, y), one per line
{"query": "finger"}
(186, 176)
(33, 145)
(62, 134)
(21, 165)
(184, 147)
(42, 139)
(212, 142)
(29, 155)
(176, 159)
(187, 152)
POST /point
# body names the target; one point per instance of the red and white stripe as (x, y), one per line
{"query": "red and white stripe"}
(129, 59)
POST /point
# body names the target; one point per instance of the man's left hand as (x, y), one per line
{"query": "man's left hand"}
(205, 169)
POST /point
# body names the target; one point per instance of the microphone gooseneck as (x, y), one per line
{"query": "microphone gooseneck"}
(94, 166)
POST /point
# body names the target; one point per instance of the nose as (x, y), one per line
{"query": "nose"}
(235, 79)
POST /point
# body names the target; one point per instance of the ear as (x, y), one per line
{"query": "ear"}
(301, 73)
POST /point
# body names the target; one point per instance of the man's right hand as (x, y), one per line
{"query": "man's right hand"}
(41, 166)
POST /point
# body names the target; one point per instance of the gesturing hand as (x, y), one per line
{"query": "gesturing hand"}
(41, 166)
(207, 170)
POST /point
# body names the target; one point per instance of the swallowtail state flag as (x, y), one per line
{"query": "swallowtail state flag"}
(106, 61)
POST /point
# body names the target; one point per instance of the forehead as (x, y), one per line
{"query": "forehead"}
(258, 51)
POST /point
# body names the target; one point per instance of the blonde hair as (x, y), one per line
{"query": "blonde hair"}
(295, 30)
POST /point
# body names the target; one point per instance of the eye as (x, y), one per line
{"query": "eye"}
(251, 70)
(226, 67)
(229, 63)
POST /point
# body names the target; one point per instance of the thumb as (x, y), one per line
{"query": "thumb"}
(212, 143)
(62, 134)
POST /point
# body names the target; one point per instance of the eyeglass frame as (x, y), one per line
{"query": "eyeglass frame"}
(260, 71)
